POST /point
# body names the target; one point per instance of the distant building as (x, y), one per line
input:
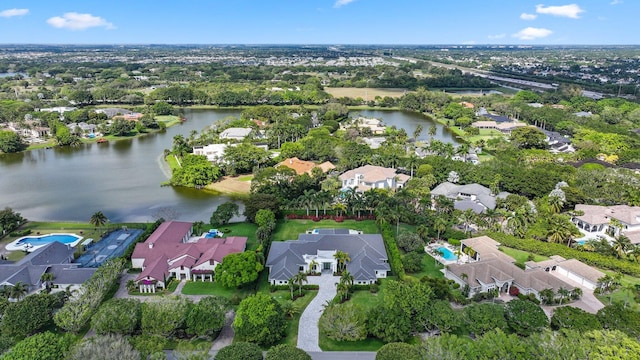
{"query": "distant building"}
(213, 152)
(374, 125)
(583, 114)
(471, 196)
(613, 220)
(372, 177)
(111, 112)
(235, 133)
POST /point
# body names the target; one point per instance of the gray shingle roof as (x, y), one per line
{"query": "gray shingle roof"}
(367, 253)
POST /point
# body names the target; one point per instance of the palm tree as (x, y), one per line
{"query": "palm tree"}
(411, 162)
(292, 284)
(555, 204)
(306, 200)
(417, 132)
(630, 289)
(563, 292)
(432, 132)
(423, 231)
(621, 245)
(467, 217)
(46, 278)
(342, 289)
(98, 219)
(347, 278)
(19, 290)
(439, 225)
(5, 291)
(342, 258)
(547, 296)
(576, 293)
(299, 278)
(312, 266)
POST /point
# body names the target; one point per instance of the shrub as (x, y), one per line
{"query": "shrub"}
(412, 262)
(395, 261)
(514, 291)
(240, 351)
(286, 352)
(409, 241)
(454, 242)
(393, 351)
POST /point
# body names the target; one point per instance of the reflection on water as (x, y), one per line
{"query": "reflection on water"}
(122, 179)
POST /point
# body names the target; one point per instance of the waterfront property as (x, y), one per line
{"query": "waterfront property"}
(372, 177)
(32, 243)
(213, 152)
(171, 252)
(235, 133)
(489, 269)
(316, 252)
(55, 258)
(110, 246)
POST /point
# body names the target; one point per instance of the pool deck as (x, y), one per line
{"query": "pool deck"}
(13, 246)
(432, 249)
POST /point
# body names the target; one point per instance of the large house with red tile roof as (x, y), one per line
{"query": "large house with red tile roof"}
(305, 167)
(171, 251)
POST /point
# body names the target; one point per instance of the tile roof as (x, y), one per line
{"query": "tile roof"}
(370, 173)
(367, 254)
(302, 166)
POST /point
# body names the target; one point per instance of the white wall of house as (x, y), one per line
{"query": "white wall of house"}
(137, 263)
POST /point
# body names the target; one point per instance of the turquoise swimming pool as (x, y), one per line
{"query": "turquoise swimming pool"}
(447, 254)
(31, 243)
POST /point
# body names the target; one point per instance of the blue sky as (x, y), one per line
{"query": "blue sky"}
(319, 22)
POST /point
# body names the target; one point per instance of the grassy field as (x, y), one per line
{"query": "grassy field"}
(168, 120)
(213, 288)
(289, 229)
(430, 267)
(521, 256)
(365, 93)
(486, 135)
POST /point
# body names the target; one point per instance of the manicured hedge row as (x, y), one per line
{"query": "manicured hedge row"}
(395, 260)
(548, 249)
(286, 287)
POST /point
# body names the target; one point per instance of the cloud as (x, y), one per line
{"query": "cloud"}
(571, 11)
(75, 21)
(525, 16)
(532, 33)
(340, 3)
(497, 36)
(13, 12)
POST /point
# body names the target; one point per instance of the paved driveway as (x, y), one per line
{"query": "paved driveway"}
(308, 327)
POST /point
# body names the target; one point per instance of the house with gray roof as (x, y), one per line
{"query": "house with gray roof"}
(471, 196)
(55, 258)
(315, 253)
(111, 112)
(235, 133)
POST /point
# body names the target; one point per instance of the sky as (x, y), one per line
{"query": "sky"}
(419, 22)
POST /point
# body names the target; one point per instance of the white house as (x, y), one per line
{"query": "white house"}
(372, 177)
(213, 152)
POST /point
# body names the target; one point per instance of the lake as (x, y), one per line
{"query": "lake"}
(122, 179)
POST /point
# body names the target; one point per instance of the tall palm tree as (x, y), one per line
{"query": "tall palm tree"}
(98, 219)
(555, 204)
(347, 278)
(621, 245)
(342, 258)
(432, 132)
(439, 225)
(299, 278)
(630, 289)
(46, 278)
(547, 296)
(563, 293)
(291, 283)
(417, 132)
(467, 217)
(342, 289)
(5, 291)
(307, 200)
(19, 290)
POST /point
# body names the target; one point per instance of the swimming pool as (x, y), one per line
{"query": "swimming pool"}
(447, 254)
(31, 243)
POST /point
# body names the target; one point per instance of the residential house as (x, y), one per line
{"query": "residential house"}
(305, 167)
(315, 252)
(133, 116)
(482, 112)
(55, 258)
(374, 142)
(557, 142)
(235, 133)
(112, 112)
(372, 177)
(83, 126)
(171, 252)
(374, 125)
(213, 152)
(471, 196)
(504, 127)
(612, 220)
(489, 268)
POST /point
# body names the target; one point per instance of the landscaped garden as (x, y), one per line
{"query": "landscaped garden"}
(290, 229)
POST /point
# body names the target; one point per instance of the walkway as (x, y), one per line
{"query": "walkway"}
(225, 338)
(308, 333)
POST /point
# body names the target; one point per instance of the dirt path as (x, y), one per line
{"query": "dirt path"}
(232, 185)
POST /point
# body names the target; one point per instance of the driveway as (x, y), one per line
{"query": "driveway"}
(588, 302)
(308, 327)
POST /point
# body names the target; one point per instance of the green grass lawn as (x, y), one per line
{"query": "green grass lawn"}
(245, 178)
(429, 267)
(290, 229)
(214, 288)
(169, 120)
(521, 256)
(368, 344)
(172, 161)
(239, 229)
(620, 295)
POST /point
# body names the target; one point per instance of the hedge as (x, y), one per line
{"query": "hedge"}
(548, 249)
(395, 260)
(286, 287)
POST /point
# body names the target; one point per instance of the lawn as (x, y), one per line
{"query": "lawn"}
(169, 120)
(368, 344)
(293, 324)
(214, 288)
(430, 267)
(239, 229)
(620, 295)
(521, 256)
(290, 229)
